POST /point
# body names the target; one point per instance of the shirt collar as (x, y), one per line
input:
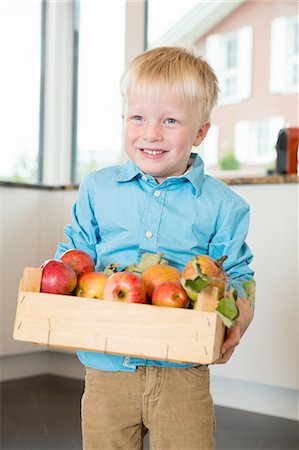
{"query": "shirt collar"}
(195, 173)
(128, 171)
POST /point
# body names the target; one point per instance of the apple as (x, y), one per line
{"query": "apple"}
(170, 294)
(125, 287)
(91, 285)
(57, 277)
(203, 271)
(157, 274)
(79, 260)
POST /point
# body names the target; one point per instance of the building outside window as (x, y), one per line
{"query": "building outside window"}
(20, 90)
(163, 15)
(255, 140)
(229, 55)
(250, 46)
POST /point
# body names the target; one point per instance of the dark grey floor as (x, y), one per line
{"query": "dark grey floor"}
(44, 413)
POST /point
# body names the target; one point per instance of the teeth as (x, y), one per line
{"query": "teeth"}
(153, 152)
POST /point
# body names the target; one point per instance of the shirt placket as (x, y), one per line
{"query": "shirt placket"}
(149, 238)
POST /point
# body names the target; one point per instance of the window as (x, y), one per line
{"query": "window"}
(229, 64)
(100, 65)
(293, 53)
(20, 76)
(284, 55)
(162, 17)
(247, 120)
(209, 148)
(230, 55)
(255, 140)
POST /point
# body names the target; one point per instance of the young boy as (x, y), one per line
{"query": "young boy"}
(159, 201)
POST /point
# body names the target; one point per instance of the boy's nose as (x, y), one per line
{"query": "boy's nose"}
(152, 133)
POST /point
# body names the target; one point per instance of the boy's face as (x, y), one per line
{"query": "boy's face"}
(159, 133)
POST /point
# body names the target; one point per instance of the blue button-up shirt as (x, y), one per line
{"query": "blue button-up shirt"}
(121, 213)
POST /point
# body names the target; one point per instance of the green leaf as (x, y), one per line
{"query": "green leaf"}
(227, 322)
(234, 293)
(249, 289)
(164, 261)
(196, 285)
(227, 306)
(111, 269)
(130, 268)
(149, 259)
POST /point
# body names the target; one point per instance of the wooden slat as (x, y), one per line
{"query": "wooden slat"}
(120, 328)
(31, 280)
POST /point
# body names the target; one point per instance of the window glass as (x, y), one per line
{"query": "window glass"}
(284, 54)
(231, 51)
(232, 38)
(292, 57)
(100, 65)
(255, 140)
(162, 15)
(229, 69)
(20, 50)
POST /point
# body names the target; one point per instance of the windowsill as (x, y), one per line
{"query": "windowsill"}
(43, 187)
(266, 179)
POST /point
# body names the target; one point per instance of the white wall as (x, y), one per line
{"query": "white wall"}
(262, 376)
(31, 223)
(263, 372)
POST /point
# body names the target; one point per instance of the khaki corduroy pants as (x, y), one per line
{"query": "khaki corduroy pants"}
(175, 405)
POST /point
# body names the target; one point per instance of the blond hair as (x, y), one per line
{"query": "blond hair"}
(165, 70)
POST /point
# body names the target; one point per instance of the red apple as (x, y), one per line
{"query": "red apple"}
(80, 261)
(125, 287)
(57, 277)
(157, 274)
(170, 294)
(91, 285)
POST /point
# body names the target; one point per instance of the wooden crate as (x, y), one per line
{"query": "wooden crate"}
(147, 331)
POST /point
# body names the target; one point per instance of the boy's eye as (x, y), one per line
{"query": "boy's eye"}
(171, 121)
(137, 118)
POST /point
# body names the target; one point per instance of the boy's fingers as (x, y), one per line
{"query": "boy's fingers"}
(226, 354)
(228, 347)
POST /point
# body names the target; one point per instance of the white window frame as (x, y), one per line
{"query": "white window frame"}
(281, 59)
(246, 145)
(214, 49)
(228, 73)
(209, 148)
(58, 106)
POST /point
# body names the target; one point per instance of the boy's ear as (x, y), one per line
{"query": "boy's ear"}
(202, 132)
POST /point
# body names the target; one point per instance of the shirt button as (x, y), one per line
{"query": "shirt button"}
(149, 234)
(144, 177)
(157, 193)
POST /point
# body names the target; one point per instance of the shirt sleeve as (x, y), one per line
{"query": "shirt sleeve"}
(83, 232)
(230, 240)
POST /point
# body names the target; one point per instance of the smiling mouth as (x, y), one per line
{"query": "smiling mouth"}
(152, 152)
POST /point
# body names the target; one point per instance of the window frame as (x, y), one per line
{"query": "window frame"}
(245, 138)
(229, 72)
(279, 82)
(41, 103)
(42, 92)
(135, 42)
(242, 72)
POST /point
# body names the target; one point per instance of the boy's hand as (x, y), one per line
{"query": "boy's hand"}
(235, 332)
